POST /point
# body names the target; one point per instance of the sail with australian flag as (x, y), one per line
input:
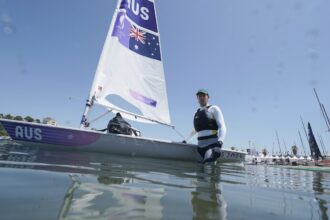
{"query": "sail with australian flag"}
(131, 65)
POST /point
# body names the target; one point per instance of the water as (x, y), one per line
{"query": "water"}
(42, 184)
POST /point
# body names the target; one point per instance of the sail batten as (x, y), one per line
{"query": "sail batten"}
(131, 64)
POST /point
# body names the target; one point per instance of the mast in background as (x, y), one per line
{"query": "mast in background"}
(278, 142)
(302, 122)
(302, 143)
(324, 112)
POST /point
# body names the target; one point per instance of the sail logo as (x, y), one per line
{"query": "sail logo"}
(142, 98)
(135, 39)
(135, 7)
(142, 12)
(29, 133)
(138, 34)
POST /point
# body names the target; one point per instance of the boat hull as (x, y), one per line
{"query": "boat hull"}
(62, 138)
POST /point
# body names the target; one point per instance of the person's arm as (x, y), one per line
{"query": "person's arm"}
(218, 116)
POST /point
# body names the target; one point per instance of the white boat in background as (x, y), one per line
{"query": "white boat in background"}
(250, 160)
(130, 67)
(294, 160)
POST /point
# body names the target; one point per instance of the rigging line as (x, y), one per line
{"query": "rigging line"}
(322, 146)
(285, 147)
(71, 98)
(135, 115)
(326, 152)
(302, 122)
(302, 143)
(179, 133)
(278, 142)
(110, 110)
(97, 118)
(327, 117)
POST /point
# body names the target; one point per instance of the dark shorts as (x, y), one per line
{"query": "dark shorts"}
(215, 154)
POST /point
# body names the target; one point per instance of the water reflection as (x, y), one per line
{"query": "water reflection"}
(319, 190)
(207, 200)
(80, 185)
(288, 193)
(114, 187)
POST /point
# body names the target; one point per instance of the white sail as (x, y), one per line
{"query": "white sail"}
(131, 65)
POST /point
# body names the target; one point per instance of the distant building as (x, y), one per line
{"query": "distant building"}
(49, 121)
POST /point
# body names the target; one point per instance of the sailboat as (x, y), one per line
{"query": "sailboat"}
(130, 67)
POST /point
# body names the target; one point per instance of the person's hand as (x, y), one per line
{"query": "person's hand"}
(220, 143)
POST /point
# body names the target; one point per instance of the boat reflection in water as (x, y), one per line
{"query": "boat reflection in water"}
(90, 185)
(73, 185)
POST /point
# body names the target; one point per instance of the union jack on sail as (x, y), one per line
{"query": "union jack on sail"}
(138, 34)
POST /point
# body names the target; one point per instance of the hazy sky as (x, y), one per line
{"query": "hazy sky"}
(259, 59)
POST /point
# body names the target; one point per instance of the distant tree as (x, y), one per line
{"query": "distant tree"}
(18, 118)
(264, 151)
(294, 149)
(1, 116)
(8, 116)
(38, 120)
(232, 148)
(28, 119)
(2, 131)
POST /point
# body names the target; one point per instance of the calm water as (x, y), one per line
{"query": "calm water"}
(38, 184)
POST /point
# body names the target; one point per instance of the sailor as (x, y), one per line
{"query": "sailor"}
(210, 127)
(118, 125)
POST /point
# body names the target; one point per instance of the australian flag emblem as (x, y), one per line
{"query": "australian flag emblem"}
(135, 39)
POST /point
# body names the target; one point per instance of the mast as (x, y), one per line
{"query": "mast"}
(322, 144)
(324, 113)
(88, 107)
(302, 143)
(304, 128)
(285, 148)
(326, 152)
(278, 142)
(91, 98)
(326, 117)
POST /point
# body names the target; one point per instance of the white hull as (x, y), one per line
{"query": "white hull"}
(62, 138)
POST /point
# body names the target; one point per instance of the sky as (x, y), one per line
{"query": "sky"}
(259, 60)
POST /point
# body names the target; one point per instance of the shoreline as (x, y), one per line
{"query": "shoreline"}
(308, 168)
